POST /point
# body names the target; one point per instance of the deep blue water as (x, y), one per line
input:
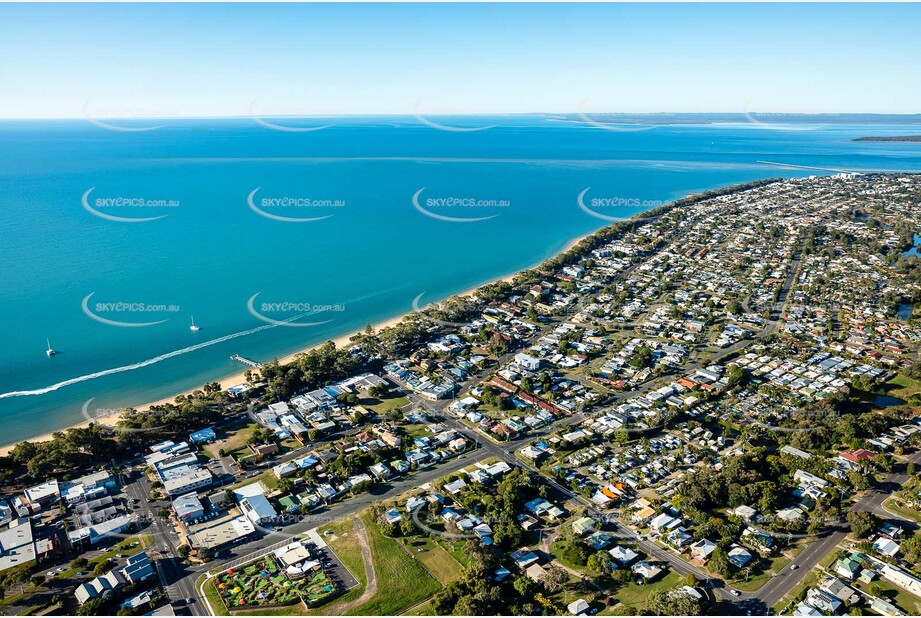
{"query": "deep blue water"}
(211, 252)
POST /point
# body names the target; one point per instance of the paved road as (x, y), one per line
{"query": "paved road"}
(172, 572)
(774, 590)
(758, 602)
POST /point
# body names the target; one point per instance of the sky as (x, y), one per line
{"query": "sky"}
(155, 60)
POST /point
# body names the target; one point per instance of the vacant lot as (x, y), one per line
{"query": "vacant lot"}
(232, 439)
(402, 580)
(383, 406)
(437, 561)
(903, 387)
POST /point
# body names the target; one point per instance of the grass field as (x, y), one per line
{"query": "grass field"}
(402, 580)
(346, 545)
(423, 610)
(268, 478)
(455, 547)
(903, 387)
(383, 406)
(437, 561)
(231, 439)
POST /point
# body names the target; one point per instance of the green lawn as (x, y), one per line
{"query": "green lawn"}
(214, 598)
(903, 387)
(635, 595)
(439, 562)
(12, 599)
(383, 406)
(346, 545)
(775, 564)
(231, 439)
(455, 547)
(401, 579)
(268, 478)
(908, 602)
(423, 610)
(899, 508)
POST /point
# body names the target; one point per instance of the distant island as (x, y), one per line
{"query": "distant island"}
(889, 138)
(770, 118)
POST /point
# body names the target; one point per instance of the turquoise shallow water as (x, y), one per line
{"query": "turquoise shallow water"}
(372, 254)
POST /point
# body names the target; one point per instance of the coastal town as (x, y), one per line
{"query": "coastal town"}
(712, 408)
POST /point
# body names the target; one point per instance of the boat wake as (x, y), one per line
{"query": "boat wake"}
(133, 366)
(169, 355)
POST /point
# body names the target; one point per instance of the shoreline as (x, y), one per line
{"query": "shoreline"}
(237, 378)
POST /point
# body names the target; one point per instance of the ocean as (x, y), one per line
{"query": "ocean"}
(115, 235)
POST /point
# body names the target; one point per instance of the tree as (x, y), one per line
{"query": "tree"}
(102, 567)
(719, 562)
(183, 551)
(862, 523)
(673, 603)
(407, 526)
(642, 357)
(17, 576)
(735, 376)
(554, 579)
(93, 607)
(601, 562)
(523, 586)
(911, 550)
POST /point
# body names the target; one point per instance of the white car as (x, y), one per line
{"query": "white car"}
(734, 593)
(793, 567)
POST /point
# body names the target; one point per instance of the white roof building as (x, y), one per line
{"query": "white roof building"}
(17, 547)
(257, 508)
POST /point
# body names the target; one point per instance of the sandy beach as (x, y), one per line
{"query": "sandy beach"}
(238, 378)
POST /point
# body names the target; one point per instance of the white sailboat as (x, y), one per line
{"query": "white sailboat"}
(50, 351)
(194, 328)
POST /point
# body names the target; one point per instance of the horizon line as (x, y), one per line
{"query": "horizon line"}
(461, 115)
